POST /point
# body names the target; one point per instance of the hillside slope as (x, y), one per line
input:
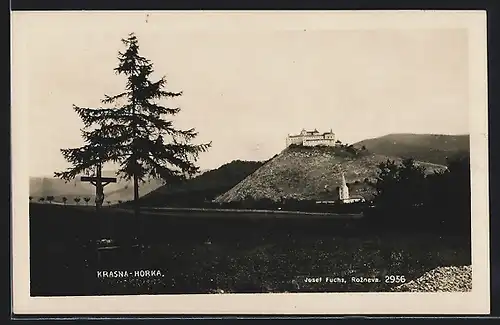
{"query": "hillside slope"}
(434, 148)
(206, 186)
(311, 173)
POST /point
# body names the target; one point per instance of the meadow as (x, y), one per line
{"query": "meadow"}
(228, 254)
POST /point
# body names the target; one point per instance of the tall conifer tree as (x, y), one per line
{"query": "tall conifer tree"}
(133, 130)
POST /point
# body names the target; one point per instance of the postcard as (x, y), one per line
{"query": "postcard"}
(266, 162)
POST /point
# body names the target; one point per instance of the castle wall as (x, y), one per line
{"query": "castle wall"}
(315, 139)
(318, 142)
(294, 140)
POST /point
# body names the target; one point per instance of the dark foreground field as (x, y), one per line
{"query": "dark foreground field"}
(227, 254)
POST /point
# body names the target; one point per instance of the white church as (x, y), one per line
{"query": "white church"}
(344, 196)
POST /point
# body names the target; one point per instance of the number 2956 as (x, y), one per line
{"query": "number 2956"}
(395, 279)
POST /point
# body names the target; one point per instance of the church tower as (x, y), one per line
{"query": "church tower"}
(344, 190)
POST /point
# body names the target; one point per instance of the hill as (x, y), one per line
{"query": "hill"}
(312, 173)
(122, 190)
(46, 186)
(204, 187)
(434, 148)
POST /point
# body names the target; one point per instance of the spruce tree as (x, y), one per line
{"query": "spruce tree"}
(133, 131)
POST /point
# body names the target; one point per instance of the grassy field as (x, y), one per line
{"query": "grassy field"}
(226, 254)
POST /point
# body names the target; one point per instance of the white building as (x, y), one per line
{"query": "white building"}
(312, 138)
(344, 196)
(344, 193)
(343, 190)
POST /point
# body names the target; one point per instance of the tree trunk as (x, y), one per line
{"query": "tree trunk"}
(137, 208)
(139, 223)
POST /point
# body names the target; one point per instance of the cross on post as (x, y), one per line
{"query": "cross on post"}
(99, 182)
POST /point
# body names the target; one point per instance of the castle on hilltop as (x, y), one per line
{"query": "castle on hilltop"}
(312, 138)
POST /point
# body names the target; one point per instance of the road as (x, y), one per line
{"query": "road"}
(200, 212)
(218, 213)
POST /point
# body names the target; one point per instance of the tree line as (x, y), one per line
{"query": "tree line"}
(408, 197)
(50, 198)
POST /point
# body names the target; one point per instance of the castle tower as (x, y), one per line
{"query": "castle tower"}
(344, 190)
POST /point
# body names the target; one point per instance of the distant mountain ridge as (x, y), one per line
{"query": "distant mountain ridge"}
(434, 148)
(122, 190)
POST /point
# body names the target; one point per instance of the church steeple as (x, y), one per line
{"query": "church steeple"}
(344, 190)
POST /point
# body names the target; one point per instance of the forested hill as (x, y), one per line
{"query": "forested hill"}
(204, 187)
(434, 148)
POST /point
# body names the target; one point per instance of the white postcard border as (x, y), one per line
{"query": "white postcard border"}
(474, 302)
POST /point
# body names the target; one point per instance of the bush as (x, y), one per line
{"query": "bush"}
(406, 197)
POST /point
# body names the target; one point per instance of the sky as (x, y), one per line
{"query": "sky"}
(245, 87)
